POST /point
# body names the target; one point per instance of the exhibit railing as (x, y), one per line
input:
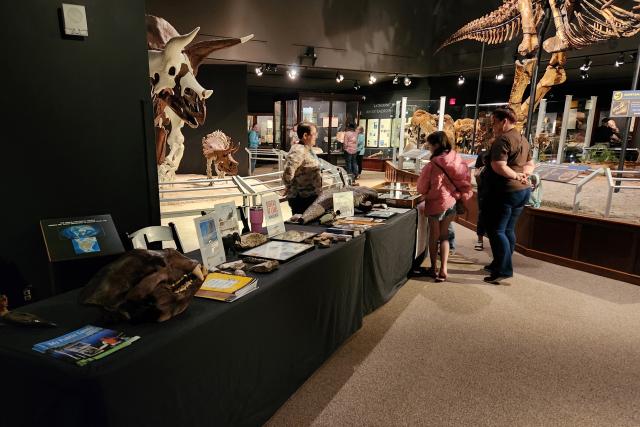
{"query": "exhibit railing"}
(249, 188)
(267, 154)
(575, 175)
(619, 184)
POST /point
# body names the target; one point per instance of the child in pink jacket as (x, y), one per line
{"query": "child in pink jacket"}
(443, 181)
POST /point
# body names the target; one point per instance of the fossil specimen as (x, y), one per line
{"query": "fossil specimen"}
(265, 267)
(324, 202)
(145, 285)
(19, 317)
(578, 24)
(251, 240)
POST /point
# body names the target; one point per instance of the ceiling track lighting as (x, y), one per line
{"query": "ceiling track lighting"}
(587, 64)
(292, 72)
(407, 80)
(356, 85)
(395, 80)
(584, 74)
(339, 77)
(619, 60)
(372, 78)
(500, 76)
(259, 70)
(461, 80)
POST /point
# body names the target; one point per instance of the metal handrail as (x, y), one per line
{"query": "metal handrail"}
(613, 186)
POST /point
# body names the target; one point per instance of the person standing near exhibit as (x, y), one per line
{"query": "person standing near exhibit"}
(443, 181)
(349, 145)
(360, 149)
(506, 190)
(254, 143)
(302, 176)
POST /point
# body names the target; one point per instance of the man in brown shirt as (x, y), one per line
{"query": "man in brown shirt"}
(507, 191)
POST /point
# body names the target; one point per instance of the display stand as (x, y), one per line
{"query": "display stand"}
(563, 131)
(577, 176)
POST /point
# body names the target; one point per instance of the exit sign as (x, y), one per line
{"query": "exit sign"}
(452, 101)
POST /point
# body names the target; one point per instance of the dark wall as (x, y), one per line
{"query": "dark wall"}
(226, 111)
(78, 140)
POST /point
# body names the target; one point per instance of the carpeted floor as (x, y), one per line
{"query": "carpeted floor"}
(553, 346)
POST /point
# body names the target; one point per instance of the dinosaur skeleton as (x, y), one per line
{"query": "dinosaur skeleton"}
(218, 149)
(178, 98)
(578, 24)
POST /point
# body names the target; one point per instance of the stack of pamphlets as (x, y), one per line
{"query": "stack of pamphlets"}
(85, 345)
(226, 287)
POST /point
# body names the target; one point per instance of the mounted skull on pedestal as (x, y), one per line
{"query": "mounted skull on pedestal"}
(218, 148)
(177, 96)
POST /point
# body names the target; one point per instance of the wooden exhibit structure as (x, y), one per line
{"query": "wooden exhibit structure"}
(595, 245)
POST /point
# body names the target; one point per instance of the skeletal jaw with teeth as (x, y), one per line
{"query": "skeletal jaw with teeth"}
(178, 98)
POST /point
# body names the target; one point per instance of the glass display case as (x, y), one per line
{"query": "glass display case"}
(291, 120)
(265, 127)
(277, 123)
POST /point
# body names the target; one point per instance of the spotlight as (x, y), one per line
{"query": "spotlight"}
(372, 78)
(339, 77)
(395, 80)
(259, 70)
(460, 80)
(292, 73)
(356, 85)
(584, 74)
(619, 60)
(586, 65)
(407, 80)
(500, 76)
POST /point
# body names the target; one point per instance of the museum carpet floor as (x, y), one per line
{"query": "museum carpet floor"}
(552, 346)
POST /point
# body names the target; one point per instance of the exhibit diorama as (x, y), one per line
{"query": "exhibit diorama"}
(223, 196)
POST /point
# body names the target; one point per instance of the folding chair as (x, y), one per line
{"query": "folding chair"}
(142, 238)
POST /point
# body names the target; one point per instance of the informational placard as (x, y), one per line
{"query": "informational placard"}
(226, 215)
(625, 103)
(210, 240)
(384, 140)
(343, 203)
(80, 237)
(334, 122)
(272, 214)
(372, 132)
(551, 173)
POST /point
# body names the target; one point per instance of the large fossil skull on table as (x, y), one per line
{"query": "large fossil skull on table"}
(145, 285)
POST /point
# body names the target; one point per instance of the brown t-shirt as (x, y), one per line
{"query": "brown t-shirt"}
(514, 149)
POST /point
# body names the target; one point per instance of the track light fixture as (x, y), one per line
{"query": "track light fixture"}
(339, 77)
(395, 80)
(407, 80)
(619, 60)
(372, 78)
(356, 85)
(584, 74)
(586, 65)
(292, 72)
(500, 76)
(460, 80)
(259, 70)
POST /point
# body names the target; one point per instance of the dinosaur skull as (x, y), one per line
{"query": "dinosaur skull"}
(145, 285)
(174, 83)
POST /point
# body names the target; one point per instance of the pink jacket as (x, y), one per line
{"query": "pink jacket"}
(350, 141)
(440, 193)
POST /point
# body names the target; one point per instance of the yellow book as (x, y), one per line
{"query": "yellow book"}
(224, 283)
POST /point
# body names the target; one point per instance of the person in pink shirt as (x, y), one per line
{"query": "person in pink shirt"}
(349, 145)
(443, 181)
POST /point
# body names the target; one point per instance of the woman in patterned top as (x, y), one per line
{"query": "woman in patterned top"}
(302, 177)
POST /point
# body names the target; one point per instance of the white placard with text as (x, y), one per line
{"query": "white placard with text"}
(272, 214)
(210, 240)
(343, 203)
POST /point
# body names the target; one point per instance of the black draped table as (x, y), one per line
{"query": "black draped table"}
(216, 363)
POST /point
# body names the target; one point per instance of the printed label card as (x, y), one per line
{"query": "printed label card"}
(210, 240)
(343, 204)
(272, 214)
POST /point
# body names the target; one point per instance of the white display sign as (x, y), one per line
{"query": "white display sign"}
(227, 218)
(573, 116)
(272, 214)
(210, 241)
(343, 203)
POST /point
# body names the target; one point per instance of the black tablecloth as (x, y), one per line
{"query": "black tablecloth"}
(215, 364)
(388, 255)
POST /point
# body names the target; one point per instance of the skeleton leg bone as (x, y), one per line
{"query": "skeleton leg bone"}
(521, 80)
(554, 75)
(559, 42)
(529, 37)
(175, 140)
